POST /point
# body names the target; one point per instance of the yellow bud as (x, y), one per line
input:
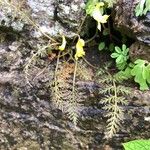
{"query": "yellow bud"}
(63, 45)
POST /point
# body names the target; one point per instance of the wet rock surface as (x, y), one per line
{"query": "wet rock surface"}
(137, 28)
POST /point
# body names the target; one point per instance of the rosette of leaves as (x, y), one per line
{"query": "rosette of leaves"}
(121, 56)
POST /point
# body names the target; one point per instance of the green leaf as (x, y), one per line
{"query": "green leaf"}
(136, 70)
(140, 61)
(117, 49)
(148, 74)
(123, 75)
(114, 55)
(106, 32)
(121, 66)
(124, 47)
(119, 59)
(145, 72)
(121, 56)
(111, 47)
(137, 145)
(140, 72)
(139, 10)
(144, 86)
(147, 7)
(125, 51)
(127, 72)
(90, 6)
(101, 46)
(131, 65)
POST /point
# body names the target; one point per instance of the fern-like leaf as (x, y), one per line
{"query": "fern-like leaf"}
(72, 111)
(106, 79)
(107, 90)
(123, 90)
(112, 101)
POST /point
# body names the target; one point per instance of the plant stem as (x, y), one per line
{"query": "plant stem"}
(74, 76)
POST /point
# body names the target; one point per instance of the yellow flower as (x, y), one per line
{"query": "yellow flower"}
(98, 15)
(63, 45)
(79, 49)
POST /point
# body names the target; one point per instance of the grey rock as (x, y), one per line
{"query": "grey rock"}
(28, 117)
(51, 17)
(137, 28)
(30, 120)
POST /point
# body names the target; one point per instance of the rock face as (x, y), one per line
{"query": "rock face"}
(139, 51)
(28, 117)
(52, 17)
(137, 28)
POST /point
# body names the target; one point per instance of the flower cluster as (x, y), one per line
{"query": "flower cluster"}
(79, 47)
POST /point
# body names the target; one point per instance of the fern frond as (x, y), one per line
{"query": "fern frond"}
(108, 99)
(113, 100)
(119, 77)
(123, 90)
(113, 122)
(108, 107)
(106, 79)
(121, 100)
(107, 90)
(107, 65)
(72, 110)
(100, 72)
(57, 96)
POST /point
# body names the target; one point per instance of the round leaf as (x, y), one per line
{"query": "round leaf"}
(101, 46)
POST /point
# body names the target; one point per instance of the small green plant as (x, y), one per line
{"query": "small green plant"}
(137, 145)
(104, 45)
(113, 101)
(141, 73)
(142, 8)
(121, 56)
(139, 70)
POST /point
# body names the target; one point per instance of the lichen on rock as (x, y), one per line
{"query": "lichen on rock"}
(51, 17)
